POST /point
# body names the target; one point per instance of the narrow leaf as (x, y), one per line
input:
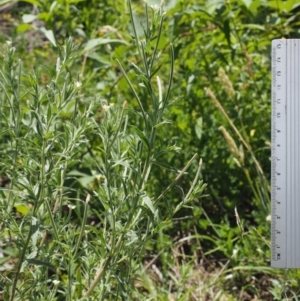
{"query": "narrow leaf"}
(93, 43)
(40, 263)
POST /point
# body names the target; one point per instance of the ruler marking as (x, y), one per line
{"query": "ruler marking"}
(285, 165)
(288, 153)
(278, 155)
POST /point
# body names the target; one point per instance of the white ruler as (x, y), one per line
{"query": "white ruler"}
(285, 173)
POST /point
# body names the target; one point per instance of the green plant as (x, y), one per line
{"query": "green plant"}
(221, 243)
(60, 19)
(42, 129)
(44, 212)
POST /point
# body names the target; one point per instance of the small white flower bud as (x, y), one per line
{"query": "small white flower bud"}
(78, 84)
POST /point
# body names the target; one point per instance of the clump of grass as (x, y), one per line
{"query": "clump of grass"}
(260, 189)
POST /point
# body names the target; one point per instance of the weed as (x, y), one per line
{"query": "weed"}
(45, 132)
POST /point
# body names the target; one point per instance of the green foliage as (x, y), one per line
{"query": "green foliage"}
(46, 147)
(79, 18)
(107, 126)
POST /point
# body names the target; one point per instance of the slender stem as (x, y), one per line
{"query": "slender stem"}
(107, 168)
(41, 195)
(98, 276)
(147, 21)
(147, 164)
(156, 45)
(176, 179)
(106, 264)
(53, 223)
(83, 224)
(117, 131)
(195, 180)
(170, 78)
(19, 265)
(135, 35)
(14, 101)
(133, 90)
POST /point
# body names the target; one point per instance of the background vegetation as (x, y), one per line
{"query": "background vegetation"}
(66, 213)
